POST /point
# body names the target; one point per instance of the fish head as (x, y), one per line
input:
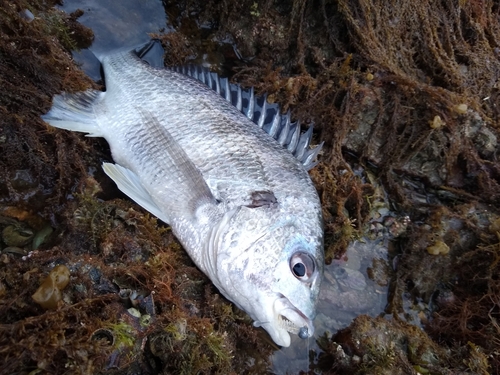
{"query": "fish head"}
(270, 265)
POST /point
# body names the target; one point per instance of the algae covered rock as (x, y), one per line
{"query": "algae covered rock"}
(381, 346)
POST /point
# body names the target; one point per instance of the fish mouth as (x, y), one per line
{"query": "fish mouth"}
(292, 320)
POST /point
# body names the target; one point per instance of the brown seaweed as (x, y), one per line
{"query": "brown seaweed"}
(408, 90)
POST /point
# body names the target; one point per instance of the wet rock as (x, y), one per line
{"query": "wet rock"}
(380, 346)
(483, 138)
(380, 272)
(22, 180)
(362, 138)
(349, 279)
(347, 290)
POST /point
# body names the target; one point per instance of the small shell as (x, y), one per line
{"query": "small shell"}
(145, 320)
(14, 250)
(41, 236)
(436, 122)
(49, 294)
(461, 108)
(134, 312)
(103, 333)
(124, 295)
(438, 248)
(15, 235)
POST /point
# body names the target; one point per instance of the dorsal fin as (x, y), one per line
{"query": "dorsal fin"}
(266, 115)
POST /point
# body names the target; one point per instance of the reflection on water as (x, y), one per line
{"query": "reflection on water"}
(355, 284)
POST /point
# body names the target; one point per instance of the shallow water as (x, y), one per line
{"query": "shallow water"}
(347, 289)
(116, 24)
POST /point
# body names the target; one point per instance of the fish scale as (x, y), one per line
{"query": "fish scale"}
(239, 200)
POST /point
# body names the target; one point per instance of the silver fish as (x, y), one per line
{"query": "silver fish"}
(237, 195)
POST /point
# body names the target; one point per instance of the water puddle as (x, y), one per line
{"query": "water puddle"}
(116, 24)
(353, 285)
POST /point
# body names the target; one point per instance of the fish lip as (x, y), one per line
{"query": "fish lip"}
(291, 319)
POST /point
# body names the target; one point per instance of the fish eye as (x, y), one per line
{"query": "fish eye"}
(299, 269)
(302, 266)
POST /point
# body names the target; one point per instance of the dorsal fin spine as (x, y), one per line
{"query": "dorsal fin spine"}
(227, 90)
(295, 137)
(273, 132)
(278, 125)
(263, 109)
(217, 82)
(239, 100)
(285, 129)
(251, 104)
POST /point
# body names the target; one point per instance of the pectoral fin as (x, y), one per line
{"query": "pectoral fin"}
(129, 183)
(182, 191)
(185, 189)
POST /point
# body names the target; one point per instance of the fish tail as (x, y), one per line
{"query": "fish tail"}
(76, 112)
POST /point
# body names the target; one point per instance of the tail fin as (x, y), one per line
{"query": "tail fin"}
(76, 112)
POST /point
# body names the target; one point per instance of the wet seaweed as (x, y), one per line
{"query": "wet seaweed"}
(407, 90)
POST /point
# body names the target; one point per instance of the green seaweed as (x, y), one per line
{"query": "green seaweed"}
(123, 334)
